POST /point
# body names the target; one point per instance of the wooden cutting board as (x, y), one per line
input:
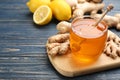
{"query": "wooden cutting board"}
(66, 66)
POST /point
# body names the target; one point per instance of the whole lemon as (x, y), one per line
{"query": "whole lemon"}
(34, 4)
(61, 10)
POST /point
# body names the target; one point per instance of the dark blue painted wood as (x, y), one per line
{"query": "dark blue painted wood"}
(22, 46)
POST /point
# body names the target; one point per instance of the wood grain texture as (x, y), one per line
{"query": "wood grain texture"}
(22, 46)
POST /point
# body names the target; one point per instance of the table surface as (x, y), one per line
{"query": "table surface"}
(22, 45)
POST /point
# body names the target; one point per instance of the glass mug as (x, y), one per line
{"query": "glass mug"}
(87, 41)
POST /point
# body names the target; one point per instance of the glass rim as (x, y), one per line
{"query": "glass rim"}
(88, 17)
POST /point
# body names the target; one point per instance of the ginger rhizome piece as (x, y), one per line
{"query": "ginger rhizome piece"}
(112, 48)
(63, 27)
(60, 38)
(112, 21)
(85, 7)
(58, 44)
(72, 3)
(64, 47)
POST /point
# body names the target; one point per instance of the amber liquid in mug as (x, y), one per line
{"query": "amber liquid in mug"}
(86, 41)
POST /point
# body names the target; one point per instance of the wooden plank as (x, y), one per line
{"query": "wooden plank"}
(22, 49)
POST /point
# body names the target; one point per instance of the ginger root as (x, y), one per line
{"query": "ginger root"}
(112, 48)
(54, 51)
(72, 3)
(52, 45)
(81, 1)
(85, 7)
(63, 27)
(58, 44)
(64, 47)
(60, 38)
(112, 21)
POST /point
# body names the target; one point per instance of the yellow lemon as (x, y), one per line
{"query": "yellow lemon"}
(42, 15)
(61, 10)
(34, 4)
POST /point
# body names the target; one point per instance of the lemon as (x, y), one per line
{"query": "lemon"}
(61, 10)
(34, 4)
(42, 15)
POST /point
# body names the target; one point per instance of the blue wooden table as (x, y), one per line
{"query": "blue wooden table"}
(22, 46)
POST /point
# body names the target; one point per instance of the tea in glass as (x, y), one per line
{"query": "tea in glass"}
(87, 41)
